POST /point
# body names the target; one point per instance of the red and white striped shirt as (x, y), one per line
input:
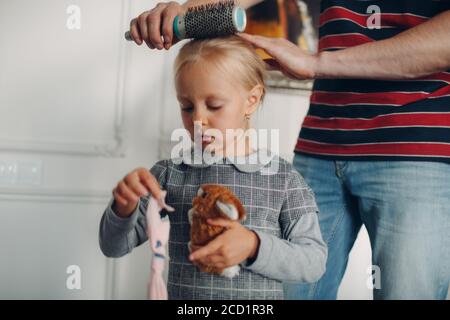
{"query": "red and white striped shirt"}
(359, 119)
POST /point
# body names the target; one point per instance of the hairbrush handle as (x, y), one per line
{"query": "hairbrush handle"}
(180, 23)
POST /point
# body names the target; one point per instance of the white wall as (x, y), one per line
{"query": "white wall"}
(68, 98)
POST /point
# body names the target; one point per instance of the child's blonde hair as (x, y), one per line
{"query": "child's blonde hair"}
(248, 68)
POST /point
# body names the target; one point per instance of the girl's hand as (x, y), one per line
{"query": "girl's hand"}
(149, 26)
(292, 61)
(230, 248)
(134, 185)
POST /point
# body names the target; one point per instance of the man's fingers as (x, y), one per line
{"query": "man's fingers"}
(134, 31)
(142, 26)
(245, 36)
(265, 43)
(272, 64)
(259, 41)
(275, 47)
(154, 26)
(289, 74)
(168, 16)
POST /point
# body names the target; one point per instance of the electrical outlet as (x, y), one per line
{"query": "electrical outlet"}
(8, 172)
(22, 172)
(29, 173)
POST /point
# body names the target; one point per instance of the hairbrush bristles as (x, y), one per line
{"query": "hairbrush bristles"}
(211, 20)
(214, 5)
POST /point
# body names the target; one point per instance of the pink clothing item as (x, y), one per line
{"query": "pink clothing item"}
(158, 235)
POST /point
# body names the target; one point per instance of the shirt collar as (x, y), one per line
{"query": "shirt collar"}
(253, 162)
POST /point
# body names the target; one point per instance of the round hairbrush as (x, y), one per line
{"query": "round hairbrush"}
(208, 21)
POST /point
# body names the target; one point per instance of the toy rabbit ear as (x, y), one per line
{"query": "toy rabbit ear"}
(200, 192)
(228, 209)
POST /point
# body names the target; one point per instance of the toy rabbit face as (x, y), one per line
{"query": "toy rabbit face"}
(214, 201)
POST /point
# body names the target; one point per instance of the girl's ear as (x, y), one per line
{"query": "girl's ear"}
(254, 98)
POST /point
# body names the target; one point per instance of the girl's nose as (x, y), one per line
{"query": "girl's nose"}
(198, 116)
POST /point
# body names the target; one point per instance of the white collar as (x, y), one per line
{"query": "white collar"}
(253, 162)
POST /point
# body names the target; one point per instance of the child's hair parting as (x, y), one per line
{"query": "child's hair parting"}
(230, 54)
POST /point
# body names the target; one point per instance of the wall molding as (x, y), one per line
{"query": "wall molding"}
(111, 272)
(111, 147)
(54, 195)
(107, 148)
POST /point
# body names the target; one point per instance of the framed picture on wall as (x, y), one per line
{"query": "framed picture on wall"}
(289, 19)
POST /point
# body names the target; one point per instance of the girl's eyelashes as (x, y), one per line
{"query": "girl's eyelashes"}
(186, 108)
(190, 109)
(214, 104)
(214, 107)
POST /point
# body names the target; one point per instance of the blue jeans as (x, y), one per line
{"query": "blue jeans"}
(405, 207)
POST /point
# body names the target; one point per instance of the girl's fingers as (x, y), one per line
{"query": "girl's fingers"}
(220, 265)
(214, 259)
(133, 182)
(138, 188)
(207, 250)
(119, 198)
(126, 192)
(162, 202)
(150, 182)
(152, 185)
(221, 223)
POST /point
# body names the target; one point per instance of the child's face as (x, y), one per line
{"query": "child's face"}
(216, 101)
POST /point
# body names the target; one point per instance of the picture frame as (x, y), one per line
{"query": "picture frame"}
(289, 19)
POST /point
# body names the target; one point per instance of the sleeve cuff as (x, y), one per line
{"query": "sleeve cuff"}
(119, 222)
(264, 253)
